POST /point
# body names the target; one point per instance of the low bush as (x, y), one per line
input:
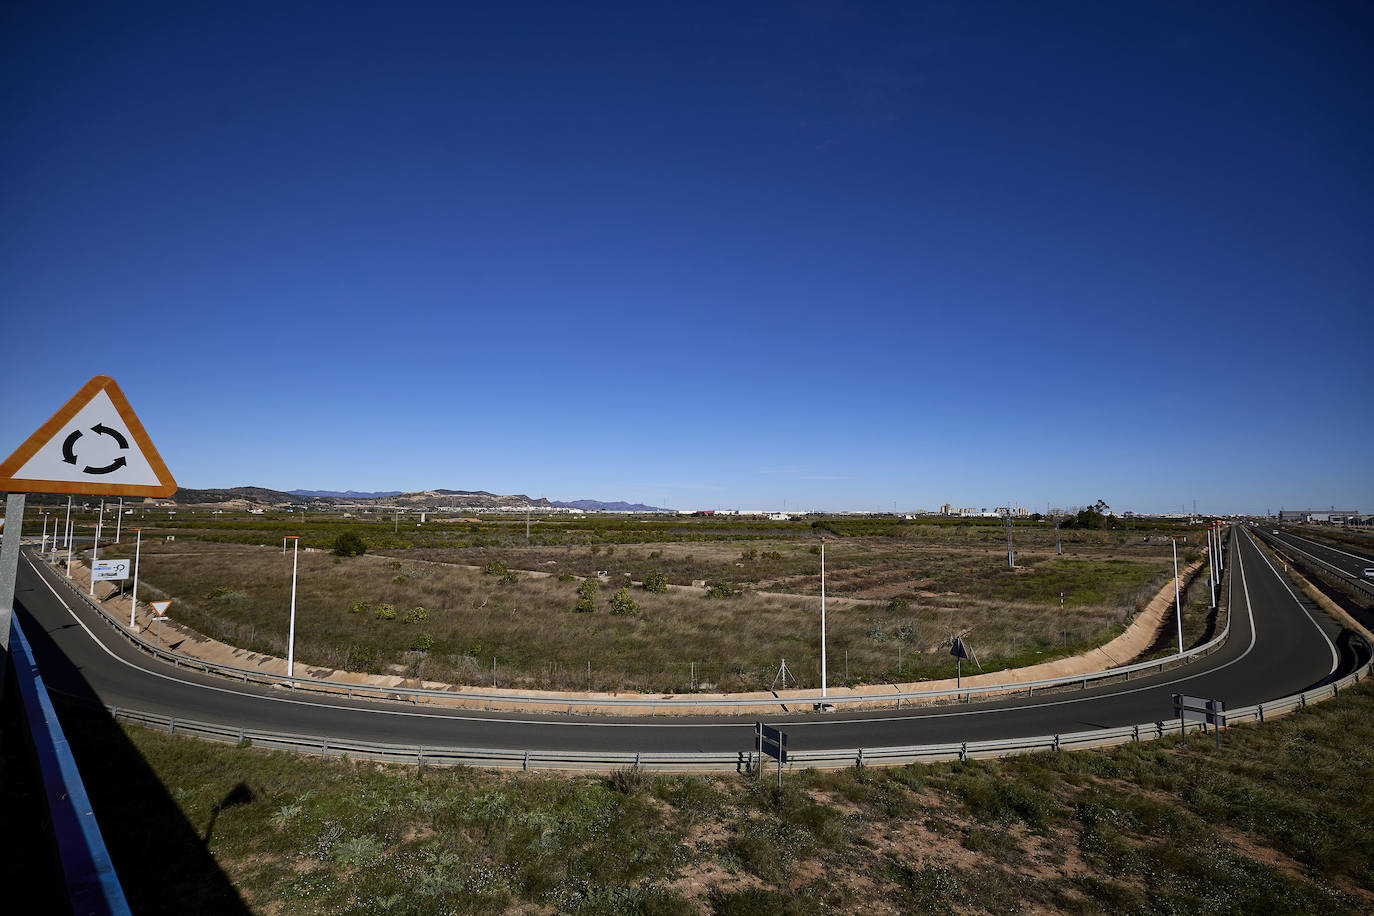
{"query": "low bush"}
(423, 643)
(656, 582)
(495, 568)
(720, 590)
(385, 612)
(359, 607)
(415, 615)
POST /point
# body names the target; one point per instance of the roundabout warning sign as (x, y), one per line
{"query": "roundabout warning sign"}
(94, 445)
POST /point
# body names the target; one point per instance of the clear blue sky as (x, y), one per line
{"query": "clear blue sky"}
(841, 255)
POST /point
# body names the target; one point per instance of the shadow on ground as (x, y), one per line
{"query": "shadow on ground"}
(162, 860)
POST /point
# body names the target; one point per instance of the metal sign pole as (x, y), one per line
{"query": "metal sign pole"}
(9, 568)
(119, 519)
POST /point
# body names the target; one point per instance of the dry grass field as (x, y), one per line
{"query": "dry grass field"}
(903, 597)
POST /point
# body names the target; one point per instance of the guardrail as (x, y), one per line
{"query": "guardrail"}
(653, 705)
(87, 873)
(744, 760)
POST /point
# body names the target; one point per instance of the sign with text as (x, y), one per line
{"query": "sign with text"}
(107, 570)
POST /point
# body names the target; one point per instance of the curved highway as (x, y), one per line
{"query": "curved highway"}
(1279, 646)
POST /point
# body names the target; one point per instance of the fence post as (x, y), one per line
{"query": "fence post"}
(324, 748)
(172, 726)
(525, 765)
(963, 751)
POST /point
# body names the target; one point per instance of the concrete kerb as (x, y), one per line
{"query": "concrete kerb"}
(1139, 635)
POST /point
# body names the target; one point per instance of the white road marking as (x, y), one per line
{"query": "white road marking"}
(686, 725)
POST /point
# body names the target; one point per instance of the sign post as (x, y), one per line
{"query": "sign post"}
(160, 612)
(94, 444)
(1200, 709)
(772, 742)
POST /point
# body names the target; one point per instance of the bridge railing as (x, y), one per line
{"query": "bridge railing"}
(84, 862)
(495, 699)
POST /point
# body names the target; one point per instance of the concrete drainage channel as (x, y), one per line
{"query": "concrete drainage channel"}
(493, 700)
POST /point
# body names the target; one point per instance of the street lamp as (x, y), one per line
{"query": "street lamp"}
(823, 705)
(291, 633)
(1178, 596)
(133, 604)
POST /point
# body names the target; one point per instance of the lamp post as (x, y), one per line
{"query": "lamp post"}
(133, 603)
(1178, 595)
(68, 526)
(823, 704)
(119, 519)
(291, 633)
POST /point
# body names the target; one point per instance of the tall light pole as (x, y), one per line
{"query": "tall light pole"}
(119, 519)
(1011, 554)
(133, 604)
(1178, 595)
(68, 526)
(291, 633)
(1212, 563)
(823, 672)
(69, 548)
(99, 525)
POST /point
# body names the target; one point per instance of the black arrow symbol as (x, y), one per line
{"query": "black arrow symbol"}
(68, 455)
(100, 429)
(107, 469)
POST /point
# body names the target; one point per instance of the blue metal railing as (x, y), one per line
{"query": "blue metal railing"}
(91, 883)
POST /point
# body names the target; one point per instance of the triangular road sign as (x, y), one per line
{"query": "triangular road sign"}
(160, 607)
(94, 445)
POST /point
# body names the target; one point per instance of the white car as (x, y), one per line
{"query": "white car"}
(1369, 572)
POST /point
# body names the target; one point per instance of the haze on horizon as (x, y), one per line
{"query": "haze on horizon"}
(827, 255)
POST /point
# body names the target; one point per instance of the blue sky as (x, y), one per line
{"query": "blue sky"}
(838, 255)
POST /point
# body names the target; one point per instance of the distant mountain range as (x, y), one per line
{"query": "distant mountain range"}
(245, 497)
(345, 494)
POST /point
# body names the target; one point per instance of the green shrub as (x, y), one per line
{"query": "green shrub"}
(587, 589)
(720, 590)
(629, 780)
(423, 643)
(364, 658)
(750, 554)
(385, 612)
(655, 554)
(349, 544)
(898, 605)
(415, 615)
(495, 568)
(656, 582)
(566, 577)
(359, 607)
(508, 577)
(622, 605)
(584, 605)
(219, 591)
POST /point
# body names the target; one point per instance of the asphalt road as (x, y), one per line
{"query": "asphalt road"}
(1279, 646)
(1347, 559)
